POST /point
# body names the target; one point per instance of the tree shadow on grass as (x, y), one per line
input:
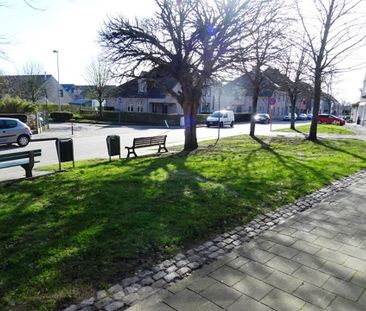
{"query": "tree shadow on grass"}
(63, 235)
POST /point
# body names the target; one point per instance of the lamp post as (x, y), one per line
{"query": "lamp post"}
(58, 82)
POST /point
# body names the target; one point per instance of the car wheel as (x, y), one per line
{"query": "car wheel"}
(336, 123)
(267, 121)
(208, 125)
(232, 124)
(221, 124)
(23, 140)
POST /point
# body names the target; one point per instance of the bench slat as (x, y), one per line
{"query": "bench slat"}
(19, 155)
(14, 163)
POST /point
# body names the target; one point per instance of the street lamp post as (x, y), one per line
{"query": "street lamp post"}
(58, 82)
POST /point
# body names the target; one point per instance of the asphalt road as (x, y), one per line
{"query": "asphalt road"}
(90, 140)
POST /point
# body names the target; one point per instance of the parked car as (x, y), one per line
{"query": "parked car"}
(330, 119)
(309, 116)
(262, 118)
(222, 118)
(287, 117)
(302, 116)
(14, 131)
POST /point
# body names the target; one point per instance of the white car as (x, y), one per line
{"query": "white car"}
(14, 131)
(221, 118)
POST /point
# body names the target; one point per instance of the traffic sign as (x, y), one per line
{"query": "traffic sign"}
(272, 100)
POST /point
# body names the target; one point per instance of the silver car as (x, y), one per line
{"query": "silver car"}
(14, 131)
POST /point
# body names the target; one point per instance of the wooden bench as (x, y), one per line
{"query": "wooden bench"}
(142, 142)
(25, 159)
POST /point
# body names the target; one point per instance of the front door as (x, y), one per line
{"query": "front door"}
(165, 108)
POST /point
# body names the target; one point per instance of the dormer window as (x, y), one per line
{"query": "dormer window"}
(142, 86)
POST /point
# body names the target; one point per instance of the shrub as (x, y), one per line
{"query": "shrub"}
(16, 105)
(108, 108)
(61, 116)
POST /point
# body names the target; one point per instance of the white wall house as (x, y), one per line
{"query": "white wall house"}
(237, 95)
(359, 111)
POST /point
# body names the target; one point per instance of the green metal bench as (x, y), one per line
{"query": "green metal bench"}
(25, 159)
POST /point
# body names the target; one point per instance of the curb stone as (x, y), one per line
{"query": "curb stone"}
(145, 283)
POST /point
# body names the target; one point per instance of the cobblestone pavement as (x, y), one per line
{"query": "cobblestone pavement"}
(308, 255)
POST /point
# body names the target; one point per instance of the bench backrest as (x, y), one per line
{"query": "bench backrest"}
(149, 141)
(20, 155)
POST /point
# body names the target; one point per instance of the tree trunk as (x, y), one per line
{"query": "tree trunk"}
(190, 123)
(293, 107)
(316, 106)
(254, 105)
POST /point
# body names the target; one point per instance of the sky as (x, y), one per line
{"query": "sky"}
(71, 27)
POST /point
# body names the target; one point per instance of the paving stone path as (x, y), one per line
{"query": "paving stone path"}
(308, 255)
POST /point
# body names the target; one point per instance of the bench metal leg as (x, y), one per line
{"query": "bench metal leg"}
(28, 170)
(131, 152)
(162, 148)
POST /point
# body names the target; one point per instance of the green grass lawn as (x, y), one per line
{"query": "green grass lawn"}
(322, 129)
(64, 235)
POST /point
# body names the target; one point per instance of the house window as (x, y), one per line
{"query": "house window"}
(154, 108)
(130, 107)
(140, 107)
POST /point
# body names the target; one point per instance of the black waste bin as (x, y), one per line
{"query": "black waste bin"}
(65, 151)
(113, 146)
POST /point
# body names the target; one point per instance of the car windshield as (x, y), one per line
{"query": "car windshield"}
(217, 114)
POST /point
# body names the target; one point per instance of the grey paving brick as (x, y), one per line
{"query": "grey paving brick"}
(362, 300)
(253, 287)
(349, 240)
(284, 251)
(282, 301)
(279, 238)
(221, 294)
(356, 264)
(310, 307)
(341, 304)
(328, 243)
(255, 254)
(303, 226)
(283, 281)
(333, 256)
(306, 247)
(337, 270)
(305, 236)
(227, 275)
(324, 232)
(309, 260)
(238, 262)
(247, 303)
(354, 251)
(188, 301)
(201, 283)
(283, 264)
(311, 276)
(344, 289)
(359, 278)
(256, 269)
(262, 243)
(314, 295)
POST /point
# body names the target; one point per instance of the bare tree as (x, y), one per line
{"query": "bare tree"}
(332, 33)
(31, 85)
(188, 41)
(98, 74)
(263, 47)
(294, 66)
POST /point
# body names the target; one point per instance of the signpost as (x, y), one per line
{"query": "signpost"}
(271, 102)
(119, 101)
